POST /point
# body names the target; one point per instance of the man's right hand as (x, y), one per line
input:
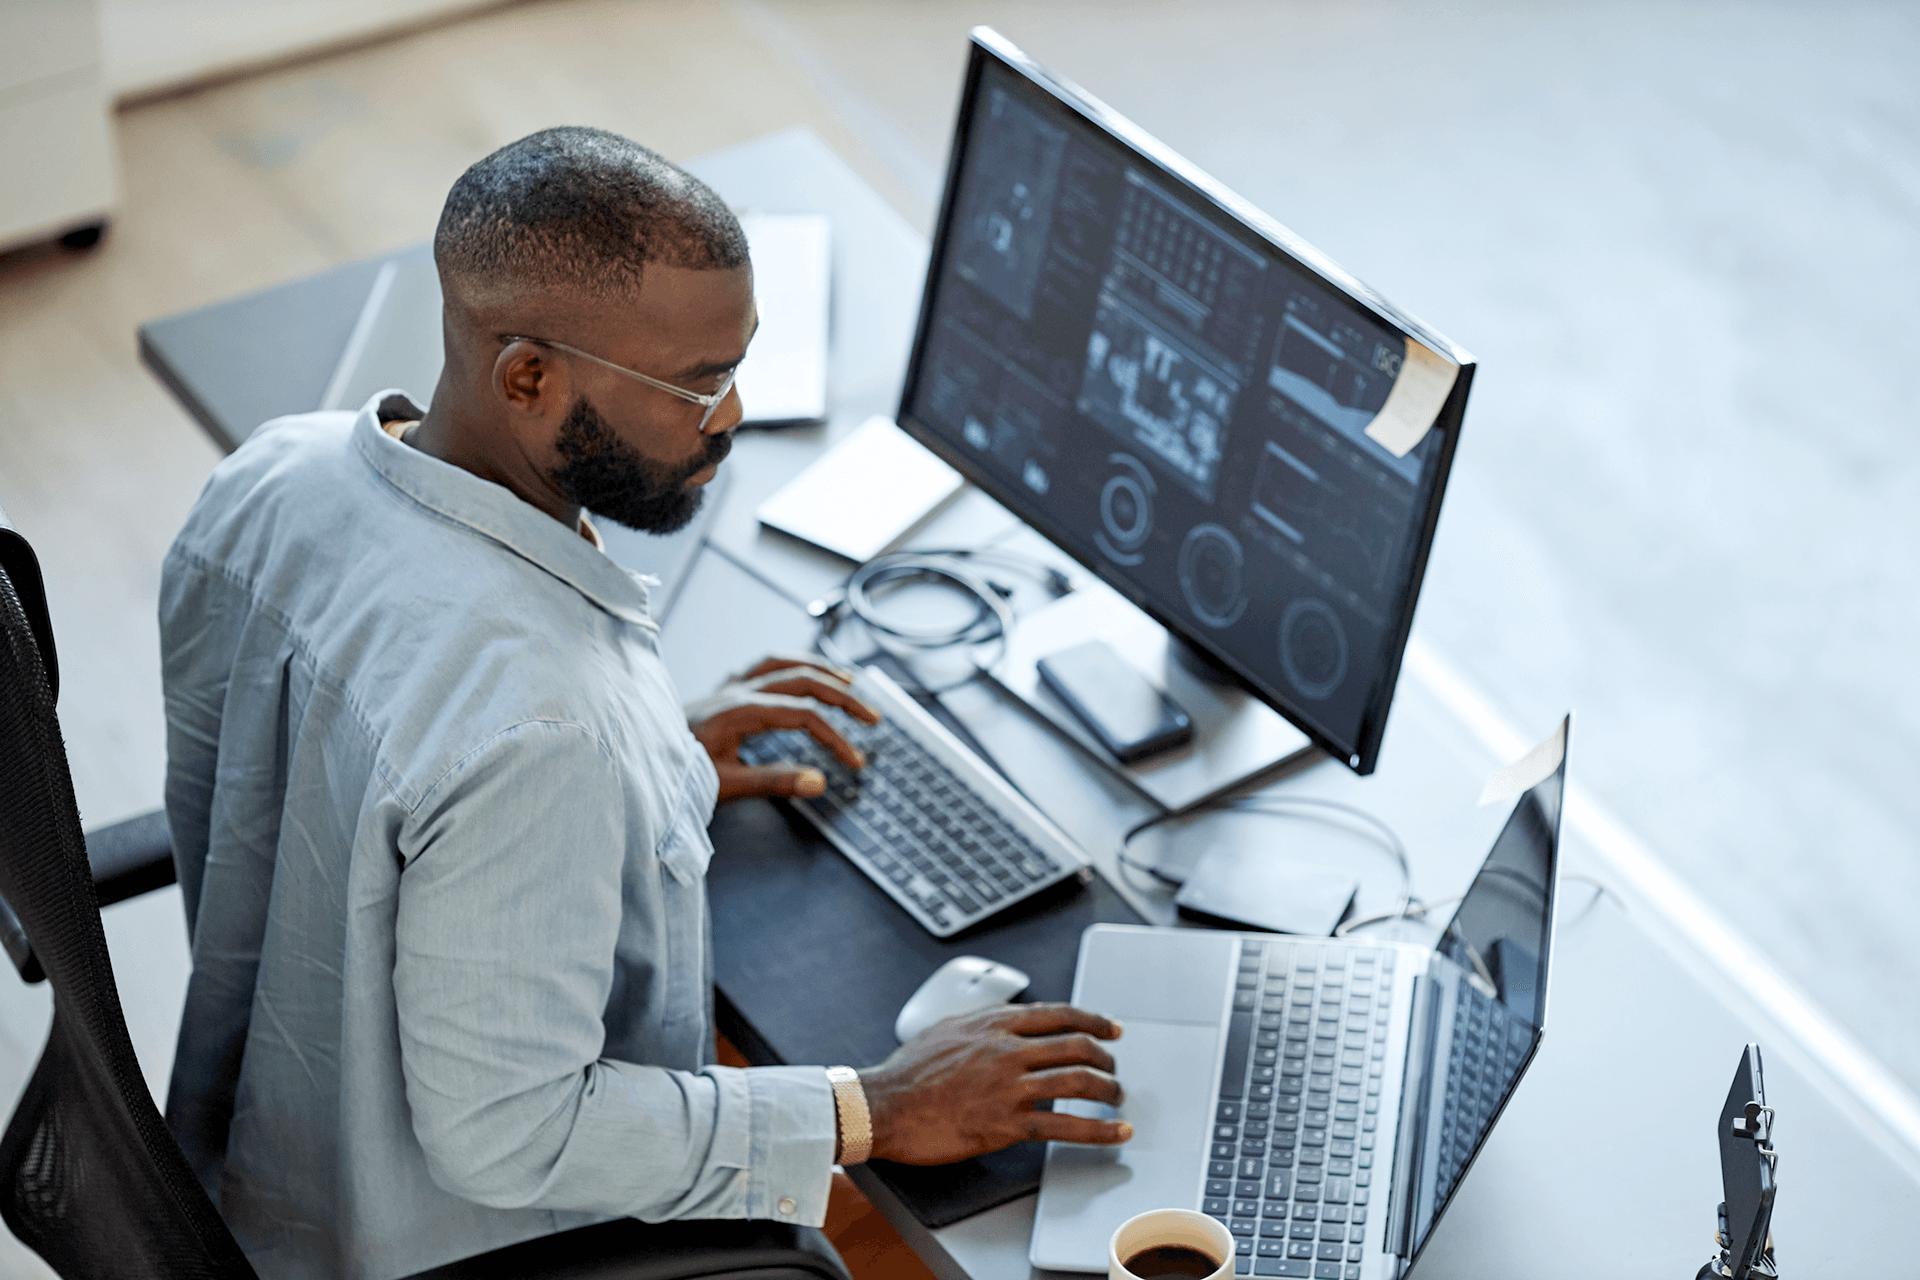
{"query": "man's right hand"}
(968, 1085)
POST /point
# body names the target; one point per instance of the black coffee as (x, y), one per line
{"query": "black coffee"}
(1171, 1262)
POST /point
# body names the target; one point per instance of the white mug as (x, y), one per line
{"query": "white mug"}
(1170, 1227)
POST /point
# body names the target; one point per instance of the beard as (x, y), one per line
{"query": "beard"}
(612, 479)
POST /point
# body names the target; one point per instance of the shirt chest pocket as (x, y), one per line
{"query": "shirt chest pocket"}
(684, 852)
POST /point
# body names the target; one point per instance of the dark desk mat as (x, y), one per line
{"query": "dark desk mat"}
(812, 963)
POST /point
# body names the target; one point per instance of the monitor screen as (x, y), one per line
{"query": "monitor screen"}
(1184, 397)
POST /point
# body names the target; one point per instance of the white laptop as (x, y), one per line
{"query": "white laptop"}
(1322, 1097)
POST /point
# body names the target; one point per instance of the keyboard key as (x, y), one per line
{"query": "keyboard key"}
(1279, 1267)
(1215, 1206)
(1219, 1187)
(1273, 1248)
(1273, 1228)
(1335, 1231)
(1246, 1208)
(1251, 1168)
(1241, 1226)
(1356, 1235)
(1220, 1169)
(1299, 1249)
(1329, 1251)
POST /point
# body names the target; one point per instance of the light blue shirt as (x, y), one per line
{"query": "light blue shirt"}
(441, 831)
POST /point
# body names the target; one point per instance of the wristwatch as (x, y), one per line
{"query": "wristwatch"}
(856, 1124)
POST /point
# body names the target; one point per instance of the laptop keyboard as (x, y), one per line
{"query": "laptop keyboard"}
(1291, 1169)
(1488, 1046)
(915, 825)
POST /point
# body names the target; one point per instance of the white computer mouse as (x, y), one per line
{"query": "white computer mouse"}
(964, 984)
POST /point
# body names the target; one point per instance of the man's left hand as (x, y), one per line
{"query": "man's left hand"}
(780, 693)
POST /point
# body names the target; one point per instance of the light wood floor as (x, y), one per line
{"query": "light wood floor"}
(1683, 243)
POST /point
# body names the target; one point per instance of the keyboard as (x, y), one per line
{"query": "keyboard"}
(1291, 1171)
(1488, 1046)
(927, 820)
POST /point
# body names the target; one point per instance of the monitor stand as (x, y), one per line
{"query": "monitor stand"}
(1236, 737)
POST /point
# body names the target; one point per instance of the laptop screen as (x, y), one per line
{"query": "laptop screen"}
(1483, 1009)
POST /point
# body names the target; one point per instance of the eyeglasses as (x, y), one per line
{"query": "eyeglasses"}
(707, 402)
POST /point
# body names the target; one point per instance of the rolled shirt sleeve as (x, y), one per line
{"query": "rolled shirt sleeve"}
(515, 876)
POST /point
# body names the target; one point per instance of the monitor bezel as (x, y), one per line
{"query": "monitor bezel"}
(989, 47)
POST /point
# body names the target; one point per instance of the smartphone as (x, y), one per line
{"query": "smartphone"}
(1130, 716)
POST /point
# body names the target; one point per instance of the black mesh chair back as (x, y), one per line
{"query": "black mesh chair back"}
(93, 1181)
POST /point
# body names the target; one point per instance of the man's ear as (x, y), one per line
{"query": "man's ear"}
(529, 380)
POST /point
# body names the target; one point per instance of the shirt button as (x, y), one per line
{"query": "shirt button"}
(787, 1206)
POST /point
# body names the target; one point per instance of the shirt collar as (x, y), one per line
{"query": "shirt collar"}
(496, 512)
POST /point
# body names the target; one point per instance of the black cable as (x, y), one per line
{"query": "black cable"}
(1276, 806)
(991, 621)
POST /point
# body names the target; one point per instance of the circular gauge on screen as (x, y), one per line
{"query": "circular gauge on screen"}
(1213, 574)
(1126, 510)
(1313, 647)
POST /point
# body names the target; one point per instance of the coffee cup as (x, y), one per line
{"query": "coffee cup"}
(1173, 1243)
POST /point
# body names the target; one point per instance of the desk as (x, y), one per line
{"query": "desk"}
(1605, 1159)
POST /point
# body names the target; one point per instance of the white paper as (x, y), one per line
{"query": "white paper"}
(784, 377)
(1529, 770)
(1422, 387)
(864, 495)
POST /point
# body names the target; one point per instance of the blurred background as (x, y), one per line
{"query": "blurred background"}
(1682, 241)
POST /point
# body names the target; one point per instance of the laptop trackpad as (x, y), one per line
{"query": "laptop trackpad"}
(1167, 1070)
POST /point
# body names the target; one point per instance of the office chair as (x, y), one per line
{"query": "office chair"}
(90, 1177)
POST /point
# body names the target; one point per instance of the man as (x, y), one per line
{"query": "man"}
(439, 817)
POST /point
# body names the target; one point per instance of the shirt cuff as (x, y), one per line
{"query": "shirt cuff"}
(793, 1130)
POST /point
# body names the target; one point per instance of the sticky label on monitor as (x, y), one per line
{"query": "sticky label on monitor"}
(1413, 404)
(1528, 771)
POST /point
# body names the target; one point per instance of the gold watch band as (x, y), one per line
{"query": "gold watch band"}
(856, 1123)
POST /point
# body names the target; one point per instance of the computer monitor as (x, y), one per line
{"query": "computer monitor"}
(1237, 435)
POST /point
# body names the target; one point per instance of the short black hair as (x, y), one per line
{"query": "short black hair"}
(584, 209)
